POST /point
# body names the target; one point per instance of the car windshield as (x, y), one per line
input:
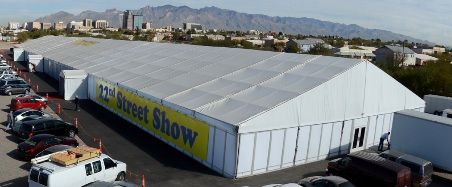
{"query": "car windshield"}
(31, 141)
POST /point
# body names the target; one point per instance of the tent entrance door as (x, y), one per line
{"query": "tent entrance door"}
(359, 135)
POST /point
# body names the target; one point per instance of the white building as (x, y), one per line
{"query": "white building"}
(355, 52)
(395, 54)
(100, 24)
(421, 59)
(13, 25)
(239, 112)
(76, 25)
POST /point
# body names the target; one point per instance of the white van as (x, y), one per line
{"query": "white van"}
(98, 168)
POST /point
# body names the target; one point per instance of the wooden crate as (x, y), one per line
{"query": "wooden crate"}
(75, 155)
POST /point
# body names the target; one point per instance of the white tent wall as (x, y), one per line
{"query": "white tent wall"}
(18, 54)
(322, 122)
(222, 142)
(35, 63)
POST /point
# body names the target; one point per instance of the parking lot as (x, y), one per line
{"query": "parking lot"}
(145, 155)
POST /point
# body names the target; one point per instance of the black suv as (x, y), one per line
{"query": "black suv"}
(14, 86)
(47, 126)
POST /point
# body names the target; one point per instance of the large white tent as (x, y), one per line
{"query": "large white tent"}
(263, 110)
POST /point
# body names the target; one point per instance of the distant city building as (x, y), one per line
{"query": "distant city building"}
(306, 44)
(88, 23)
(75, 25)
(127, 21)
(13, 25)
(190, 26)
(101, 24)
(253, 32)
(395, 54)
(146, 26)
(422, 59)
(46, 26)
(422, 51)
(439, 50)
(215, 37)
(358, 52)
(33, 25)
(59, 26)
(165, 29)
(137, 22)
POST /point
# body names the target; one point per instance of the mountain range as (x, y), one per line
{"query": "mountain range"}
(213, 17)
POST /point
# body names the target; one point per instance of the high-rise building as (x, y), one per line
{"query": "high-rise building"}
(127, 21)
(146, 26)
(100, 24)
(13, 25)
(33, 25)
(137, 22)
(88, 23)
(59, 26)
(75, 25)
(190, 26)
(46, 26)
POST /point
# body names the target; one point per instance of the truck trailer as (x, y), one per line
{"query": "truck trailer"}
(423, 135)
(435, 104)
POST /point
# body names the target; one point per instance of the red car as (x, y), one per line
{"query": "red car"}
(34, 145)
(27, 102)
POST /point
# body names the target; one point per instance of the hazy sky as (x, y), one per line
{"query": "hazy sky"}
(430, 20)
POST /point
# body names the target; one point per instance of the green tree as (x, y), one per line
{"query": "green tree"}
(320, 49)
(22, 37)
(293, 48)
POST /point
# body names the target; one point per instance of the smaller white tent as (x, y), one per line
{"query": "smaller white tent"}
(73, 83)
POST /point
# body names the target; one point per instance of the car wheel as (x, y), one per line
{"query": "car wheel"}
(71, 133)
(121, 176)
(27, 91)
(41, 108)
(9, 93)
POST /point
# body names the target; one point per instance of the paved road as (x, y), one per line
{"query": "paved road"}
(145, 155)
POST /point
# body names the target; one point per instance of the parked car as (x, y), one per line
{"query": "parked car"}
(4, 65)
(283, 185)
(34, 145)
(365, 169)
(111, 184)
(421, 170)
(97, 168)
(54, 149)
(7, 76)
(18, 124)
(8, 72)
(25, 102)
(14, 86)
(34, 96)
(328, 181)
(47, 126)
(18, 115)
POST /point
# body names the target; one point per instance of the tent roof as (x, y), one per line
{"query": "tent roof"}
(227, 84)
(73, 74)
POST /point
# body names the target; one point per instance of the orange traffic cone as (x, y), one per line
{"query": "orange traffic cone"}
(100, 146)
(58, 109)
(76, 122)
(143, 183)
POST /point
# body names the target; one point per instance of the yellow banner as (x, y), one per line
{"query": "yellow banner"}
(186, 132)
